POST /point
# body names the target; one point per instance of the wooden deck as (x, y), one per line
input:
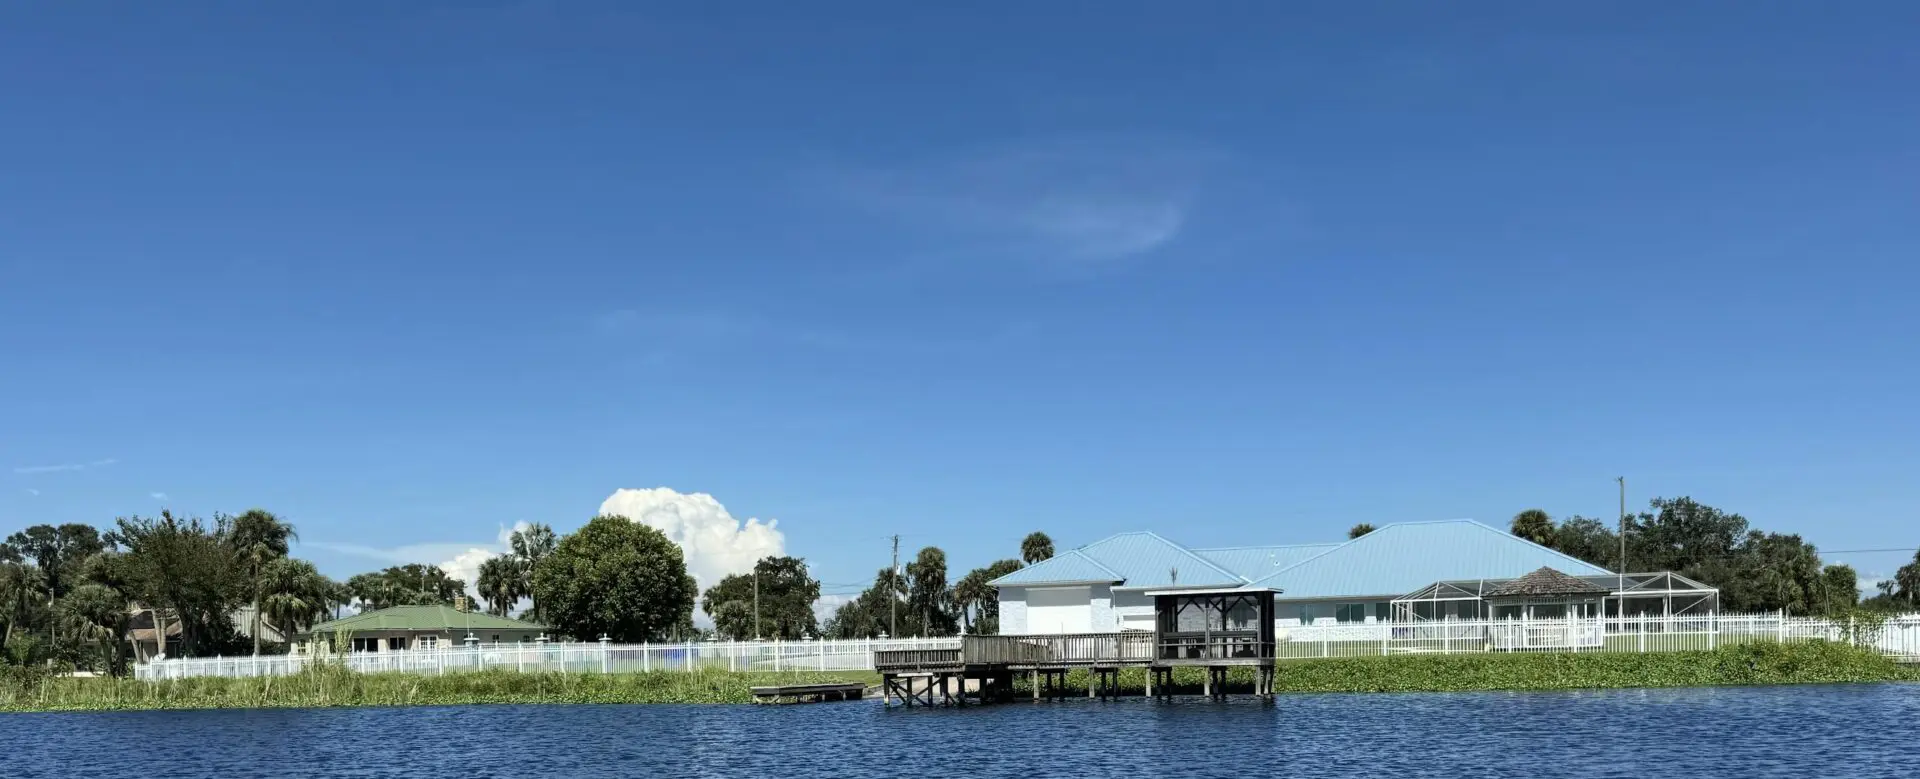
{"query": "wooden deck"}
(810, 693)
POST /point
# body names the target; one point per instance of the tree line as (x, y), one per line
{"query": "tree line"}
(76, 597)
(1754, 570)
(922, 603)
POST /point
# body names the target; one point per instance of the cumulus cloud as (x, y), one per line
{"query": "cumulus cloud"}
(465, 566)
(714, 542)
(824, 607)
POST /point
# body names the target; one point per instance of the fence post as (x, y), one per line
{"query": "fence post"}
(1643, 633)
(823, 654)
(776, 654)
(1323, 643)
(1781, 629)
(1386, 634)
(606, 656)
(1713, 629)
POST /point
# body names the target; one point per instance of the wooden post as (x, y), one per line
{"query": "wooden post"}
(1206, 687)
(1036, 684)
(1151, 672)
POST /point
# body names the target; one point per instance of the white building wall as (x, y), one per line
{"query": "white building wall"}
(1132, 610)
(1101, 603)
(1013, 610)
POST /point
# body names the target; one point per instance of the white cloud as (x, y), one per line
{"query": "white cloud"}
(827, 604)
(33, 492)
(31, 469)
(465, 565)
(714, 542)
(1084, 202)
(157, 495)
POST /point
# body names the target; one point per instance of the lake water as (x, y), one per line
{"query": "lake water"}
(1841, 731)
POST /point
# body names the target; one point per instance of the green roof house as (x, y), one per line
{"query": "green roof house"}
(424, 627)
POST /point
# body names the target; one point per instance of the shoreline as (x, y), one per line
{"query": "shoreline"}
(1736, 666)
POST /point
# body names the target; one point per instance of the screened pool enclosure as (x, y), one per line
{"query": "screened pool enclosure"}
(1550, 594)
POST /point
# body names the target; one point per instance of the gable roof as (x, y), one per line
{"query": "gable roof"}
(1147, 560)
(1545, 581)
(1404, 557)
(1137, 559)
(1253, 562)
(1069, 566)
(422, 618)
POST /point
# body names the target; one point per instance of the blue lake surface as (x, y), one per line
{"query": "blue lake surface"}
(1837, 731)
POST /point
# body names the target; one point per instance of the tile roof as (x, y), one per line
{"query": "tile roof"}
(422, 618)
(1069, 566)
(1254, 562)
(1404, 557)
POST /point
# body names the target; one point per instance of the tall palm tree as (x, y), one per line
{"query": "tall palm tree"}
(294, 596)
(500, 584)
(21, 589)
(530, 546)
(259, 538)
(1534, 525)
(1036, 547)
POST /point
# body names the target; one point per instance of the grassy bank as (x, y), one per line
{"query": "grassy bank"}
(339, 687)
(1745, 664)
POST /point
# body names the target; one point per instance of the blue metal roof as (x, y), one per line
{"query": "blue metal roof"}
(1398, 559)
(1069, 566)
(1254, 562)
(1147, 560)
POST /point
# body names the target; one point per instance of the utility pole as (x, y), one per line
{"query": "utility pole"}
(756, 601)
(893, 591)
(1623, 545)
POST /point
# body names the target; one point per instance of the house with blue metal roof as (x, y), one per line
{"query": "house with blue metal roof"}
(1102, 587)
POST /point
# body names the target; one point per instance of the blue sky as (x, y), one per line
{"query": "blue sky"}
(411, 273)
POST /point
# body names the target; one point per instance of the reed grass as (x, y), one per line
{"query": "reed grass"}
(331, 686)
(1758, 663)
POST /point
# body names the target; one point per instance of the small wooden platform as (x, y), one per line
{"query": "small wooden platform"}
(810, 693)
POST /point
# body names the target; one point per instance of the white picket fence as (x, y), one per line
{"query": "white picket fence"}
(1898, 637)
(848, 655)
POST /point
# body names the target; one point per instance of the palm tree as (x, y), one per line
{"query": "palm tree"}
(1036, 547)
(1908, 579)
(500, 584)
(21, 587)
(94, 616)
(530, 546)
(1534, 525)
(1359, 530)
(259, 538)
(294, 596)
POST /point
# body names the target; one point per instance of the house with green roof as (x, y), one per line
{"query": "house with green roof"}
(401, 628)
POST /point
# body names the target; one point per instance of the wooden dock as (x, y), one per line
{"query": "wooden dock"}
(809, 693)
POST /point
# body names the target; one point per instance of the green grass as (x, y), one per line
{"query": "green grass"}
(338, 687)
(1753, 663)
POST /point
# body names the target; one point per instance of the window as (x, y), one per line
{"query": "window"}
(428, 642)
(397, 643)
(495, 639)
(365, 645)
(1467, 609)
(1350, 612)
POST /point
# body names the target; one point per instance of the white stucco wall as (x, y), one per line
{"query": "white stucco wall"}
(1132, 610)
(1013, 610)
(1101, 602)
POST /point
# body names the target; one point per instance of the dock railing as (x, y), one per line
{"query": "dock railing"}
(1069, 649)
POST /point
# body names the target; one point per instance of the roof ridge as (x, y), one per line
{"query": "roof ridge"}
(1263, 546)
